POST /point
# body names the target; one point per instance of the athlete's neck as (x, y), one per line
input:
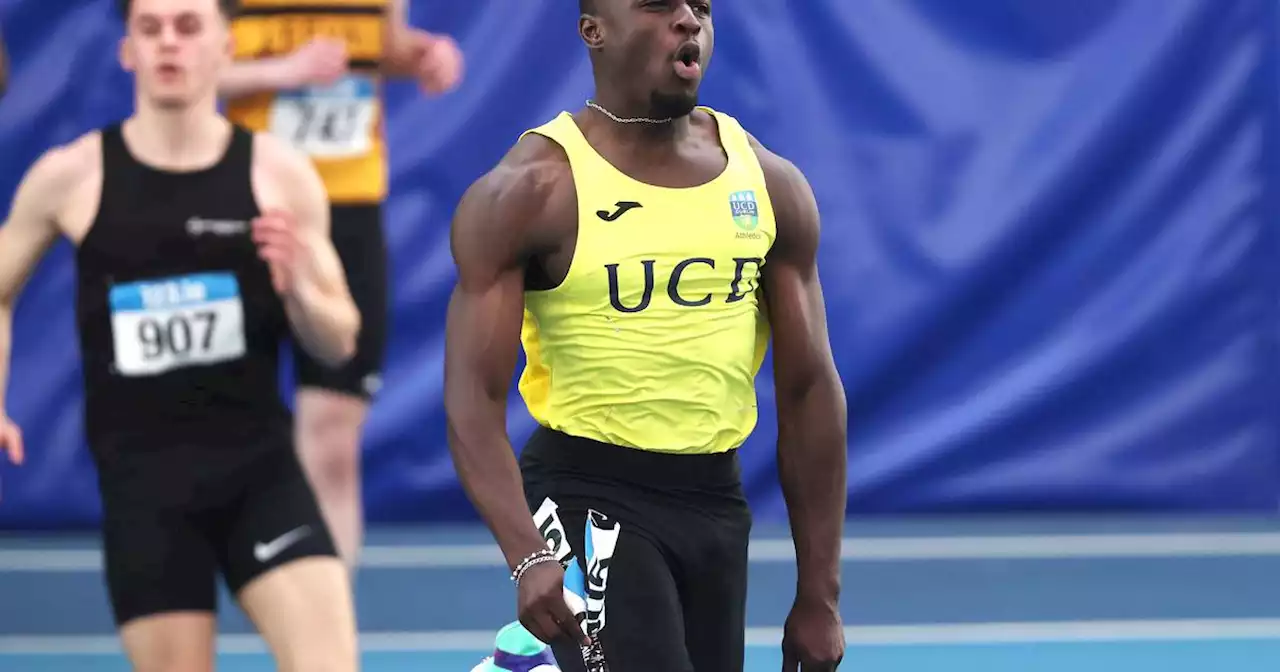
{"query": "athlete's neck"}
(652, 132)
(193, 138)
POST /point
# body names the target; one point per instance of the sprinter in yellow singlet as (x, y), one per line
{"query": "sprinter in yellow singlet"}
(310, 72)
(635, 248)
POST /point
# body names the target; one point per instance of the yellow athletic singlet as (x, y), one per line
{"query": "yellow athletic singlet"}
(654, 338)
(340, 126)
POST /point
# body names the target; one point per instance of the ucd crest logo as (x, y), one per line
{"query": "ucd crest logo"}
(746, 214)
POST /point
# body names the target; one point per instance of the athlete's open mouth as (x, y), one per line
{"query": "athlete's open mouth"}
(687, 65)
(689, 53)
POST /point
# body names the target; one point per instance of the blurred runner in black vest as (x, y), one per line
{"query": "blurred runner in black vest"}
(199, 247)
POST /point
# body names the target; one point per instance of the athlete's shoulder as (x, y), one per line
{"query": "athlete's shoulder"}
(707, 114)
(74, 159)
(531, 179)
(795, 205)
(776, 167)
(537, 161)
(522, 207)
(61, 179)
(62, 167)
(286, 168)
(279, 157)
(787, 184)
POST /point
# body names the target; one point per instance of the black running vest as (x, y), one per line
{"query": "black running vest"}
(180, 328)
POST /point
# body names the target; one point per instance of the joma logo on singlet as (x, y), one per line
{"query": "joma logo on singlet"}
(738, 289)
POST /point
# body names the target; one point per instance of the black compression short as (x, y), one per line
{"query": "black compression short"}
(176, 516)
(676, 586)
(358, 237)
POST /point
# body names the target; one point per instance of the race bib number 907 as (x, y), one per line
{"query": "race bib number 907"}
(330, 122)
(161, 325)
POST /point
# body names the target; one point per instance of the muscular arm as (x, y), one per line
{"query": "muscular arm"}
(29, 231)
(319, 306)
(811, 402)
(491, 243)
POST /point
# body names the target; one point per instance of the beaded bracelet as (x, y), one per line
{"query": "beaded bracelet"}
(535, 558)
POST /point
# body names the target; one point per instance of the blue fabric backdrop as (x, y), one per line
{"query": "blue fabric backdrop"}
(1050, 249)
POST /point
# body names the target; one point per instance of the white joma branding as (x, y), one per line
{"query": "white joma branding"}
(218, 227)
(265, 552)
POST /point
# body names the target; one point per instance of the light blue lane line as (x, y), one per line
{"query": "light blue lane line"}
(1197, 656)
(26, 558)
(931, 634)
(870, 527)
(881, 593)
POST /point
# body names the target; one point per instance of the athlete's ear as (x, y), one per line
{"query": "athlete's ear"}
(591, 32)
(126, 55)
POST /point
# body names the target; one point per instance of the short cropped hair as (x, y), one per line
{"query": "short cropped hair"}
(228, 8)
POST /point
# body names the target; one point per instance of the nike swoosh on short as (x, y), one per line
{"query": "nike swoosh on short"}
(265, 552)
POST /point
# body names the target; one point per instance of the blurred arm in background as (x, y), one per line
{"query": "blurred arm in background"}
(30, 230)
(812, 417)
(296, 244)
(433, 60)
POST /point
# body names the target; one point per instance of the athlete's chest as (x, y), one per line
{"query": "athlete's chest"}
(139, 230)
(178, 285)
(722, 220)
(692, 248)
